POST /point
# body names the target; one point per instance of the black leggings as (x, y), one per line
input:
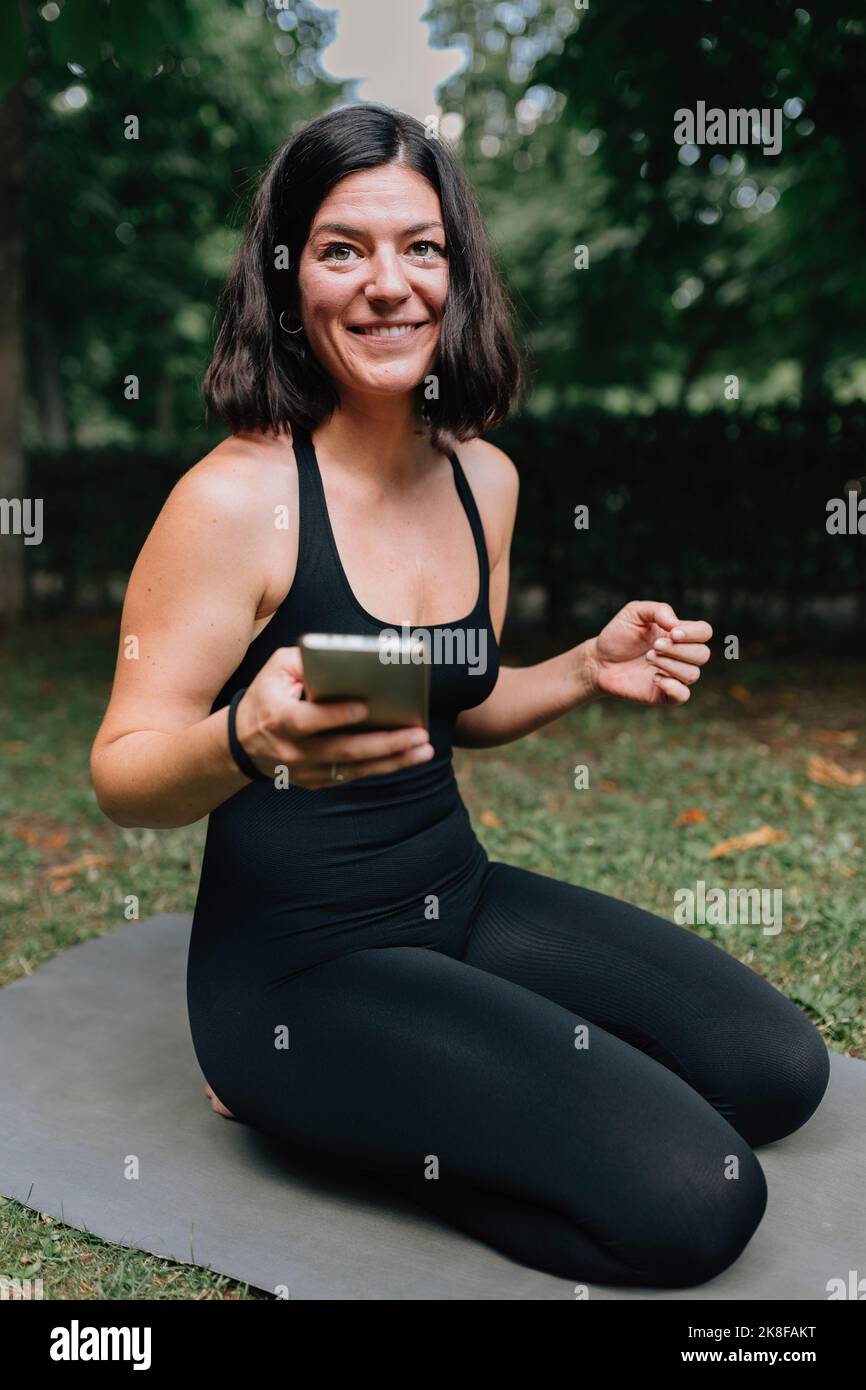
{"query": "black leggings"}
(576, 1081)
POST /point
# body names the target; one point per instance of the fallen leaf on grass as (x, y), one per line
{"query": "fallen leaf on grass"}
(55, 841)
(845, 869)
(845, 738)
(490, 818)
(33, 837)
(607, 786)
(807, 800)
(829, 774)
(61, 885)
(693, 815)
(740, 694)
(13, 745)
(764, 835)
(87, 861)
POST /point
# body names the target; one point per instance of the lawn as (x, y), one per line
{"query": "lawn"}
(769, 743)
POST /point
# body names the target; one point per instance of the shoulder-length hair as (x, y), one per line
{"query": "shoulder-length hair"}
(262, 377)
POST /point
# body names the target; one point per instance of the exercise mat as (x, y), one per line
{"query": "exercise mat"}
(104, 1125)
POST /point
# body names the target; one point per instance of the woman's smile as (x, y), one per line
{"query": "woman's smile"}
(389, 336)
(375, 269)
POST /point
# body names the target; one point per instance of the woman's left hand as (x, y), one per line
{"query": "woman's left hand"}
(646, 653)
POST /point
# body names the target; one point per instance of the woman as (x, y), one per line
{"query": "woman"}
(572, 1079)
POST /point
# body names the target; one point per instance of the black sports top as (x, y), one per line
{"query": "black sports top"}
(299, 875)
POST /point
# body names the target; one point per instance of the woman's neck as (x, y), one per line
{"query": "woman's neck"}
(382, 437)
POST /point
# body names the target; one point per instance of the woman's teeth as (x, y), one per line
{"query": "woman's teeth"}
(388, 332)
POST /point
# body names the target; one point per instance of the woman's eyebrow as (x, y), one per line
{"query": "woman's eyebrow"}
(345, 230)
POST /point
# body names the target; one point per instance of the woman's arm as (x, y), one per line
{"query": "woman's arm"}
(645, 652)
(160, 758)
(212, 570)
(526, 697)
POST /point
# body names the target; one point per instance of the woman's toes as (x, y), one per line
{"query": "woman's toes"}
(216, 1103)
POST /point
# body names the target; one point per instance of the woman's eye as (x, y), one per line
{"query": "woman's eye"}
(434, 246)
(335, 246)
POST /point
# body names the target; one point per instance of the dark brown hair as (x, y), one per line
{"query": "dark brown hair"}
(263, 378)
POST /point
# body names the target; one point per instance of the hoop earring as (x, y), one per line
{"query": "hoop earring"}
(299, 329)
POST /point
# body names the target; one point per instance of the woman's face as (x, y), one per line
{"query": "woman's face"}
(375, 256)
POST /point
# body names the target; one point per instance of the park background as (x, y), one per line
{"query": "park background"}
(704, 264)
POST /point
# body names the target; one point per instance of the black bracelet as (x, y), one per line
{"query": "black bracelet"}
(241, 757)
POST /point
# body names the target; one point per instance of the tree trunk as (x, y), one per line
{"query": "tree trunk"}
(693, 370)
(46, 384)
(165, 406)
(813, 385)
(12, 475)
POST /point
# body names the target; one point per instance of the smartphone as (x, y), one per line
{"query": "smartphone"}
(391, 675)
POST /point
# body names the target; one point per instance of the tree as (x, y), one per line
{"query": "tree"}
(145, 121)
(716, 259)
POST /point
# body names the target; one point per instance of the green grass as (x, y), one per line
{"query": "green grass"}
(742, 762)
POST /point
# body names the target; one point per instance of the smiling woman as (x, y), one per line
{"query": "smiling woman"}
(325, 251)
(557, 1072)
(385, 262)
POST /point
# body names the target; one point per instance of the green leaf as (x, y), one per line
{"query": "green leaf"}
(13, 49)
(77, 36)
(141, 29)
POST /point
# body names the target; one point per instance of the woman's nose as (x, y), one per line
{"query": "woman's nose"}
(387, 278)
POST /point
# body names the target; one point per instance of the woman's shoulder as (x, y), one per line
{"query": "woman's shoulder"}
(239, 475)
(490, 471)
(495, 484)
(230, 518)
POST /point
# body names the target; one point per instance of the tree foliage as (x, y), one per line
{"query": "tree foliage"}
(712, 260)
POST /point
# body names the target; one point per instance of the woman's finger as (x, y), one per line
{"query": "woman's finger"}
(306, 718)
(648, 611)
(674, 689)
(689, 632)
(692, 652)
(683, 670)
(319, 775)
(363, 746)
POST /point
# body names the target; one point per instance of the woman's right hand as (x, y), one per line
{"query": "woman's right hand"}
(277, 728)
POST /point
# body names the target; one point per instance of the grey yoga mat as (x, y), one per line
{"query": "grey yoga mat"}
(99, 1066)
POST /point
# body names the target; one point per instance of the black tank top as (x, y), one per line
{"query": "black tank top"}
(303, 875)
(321, 600)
